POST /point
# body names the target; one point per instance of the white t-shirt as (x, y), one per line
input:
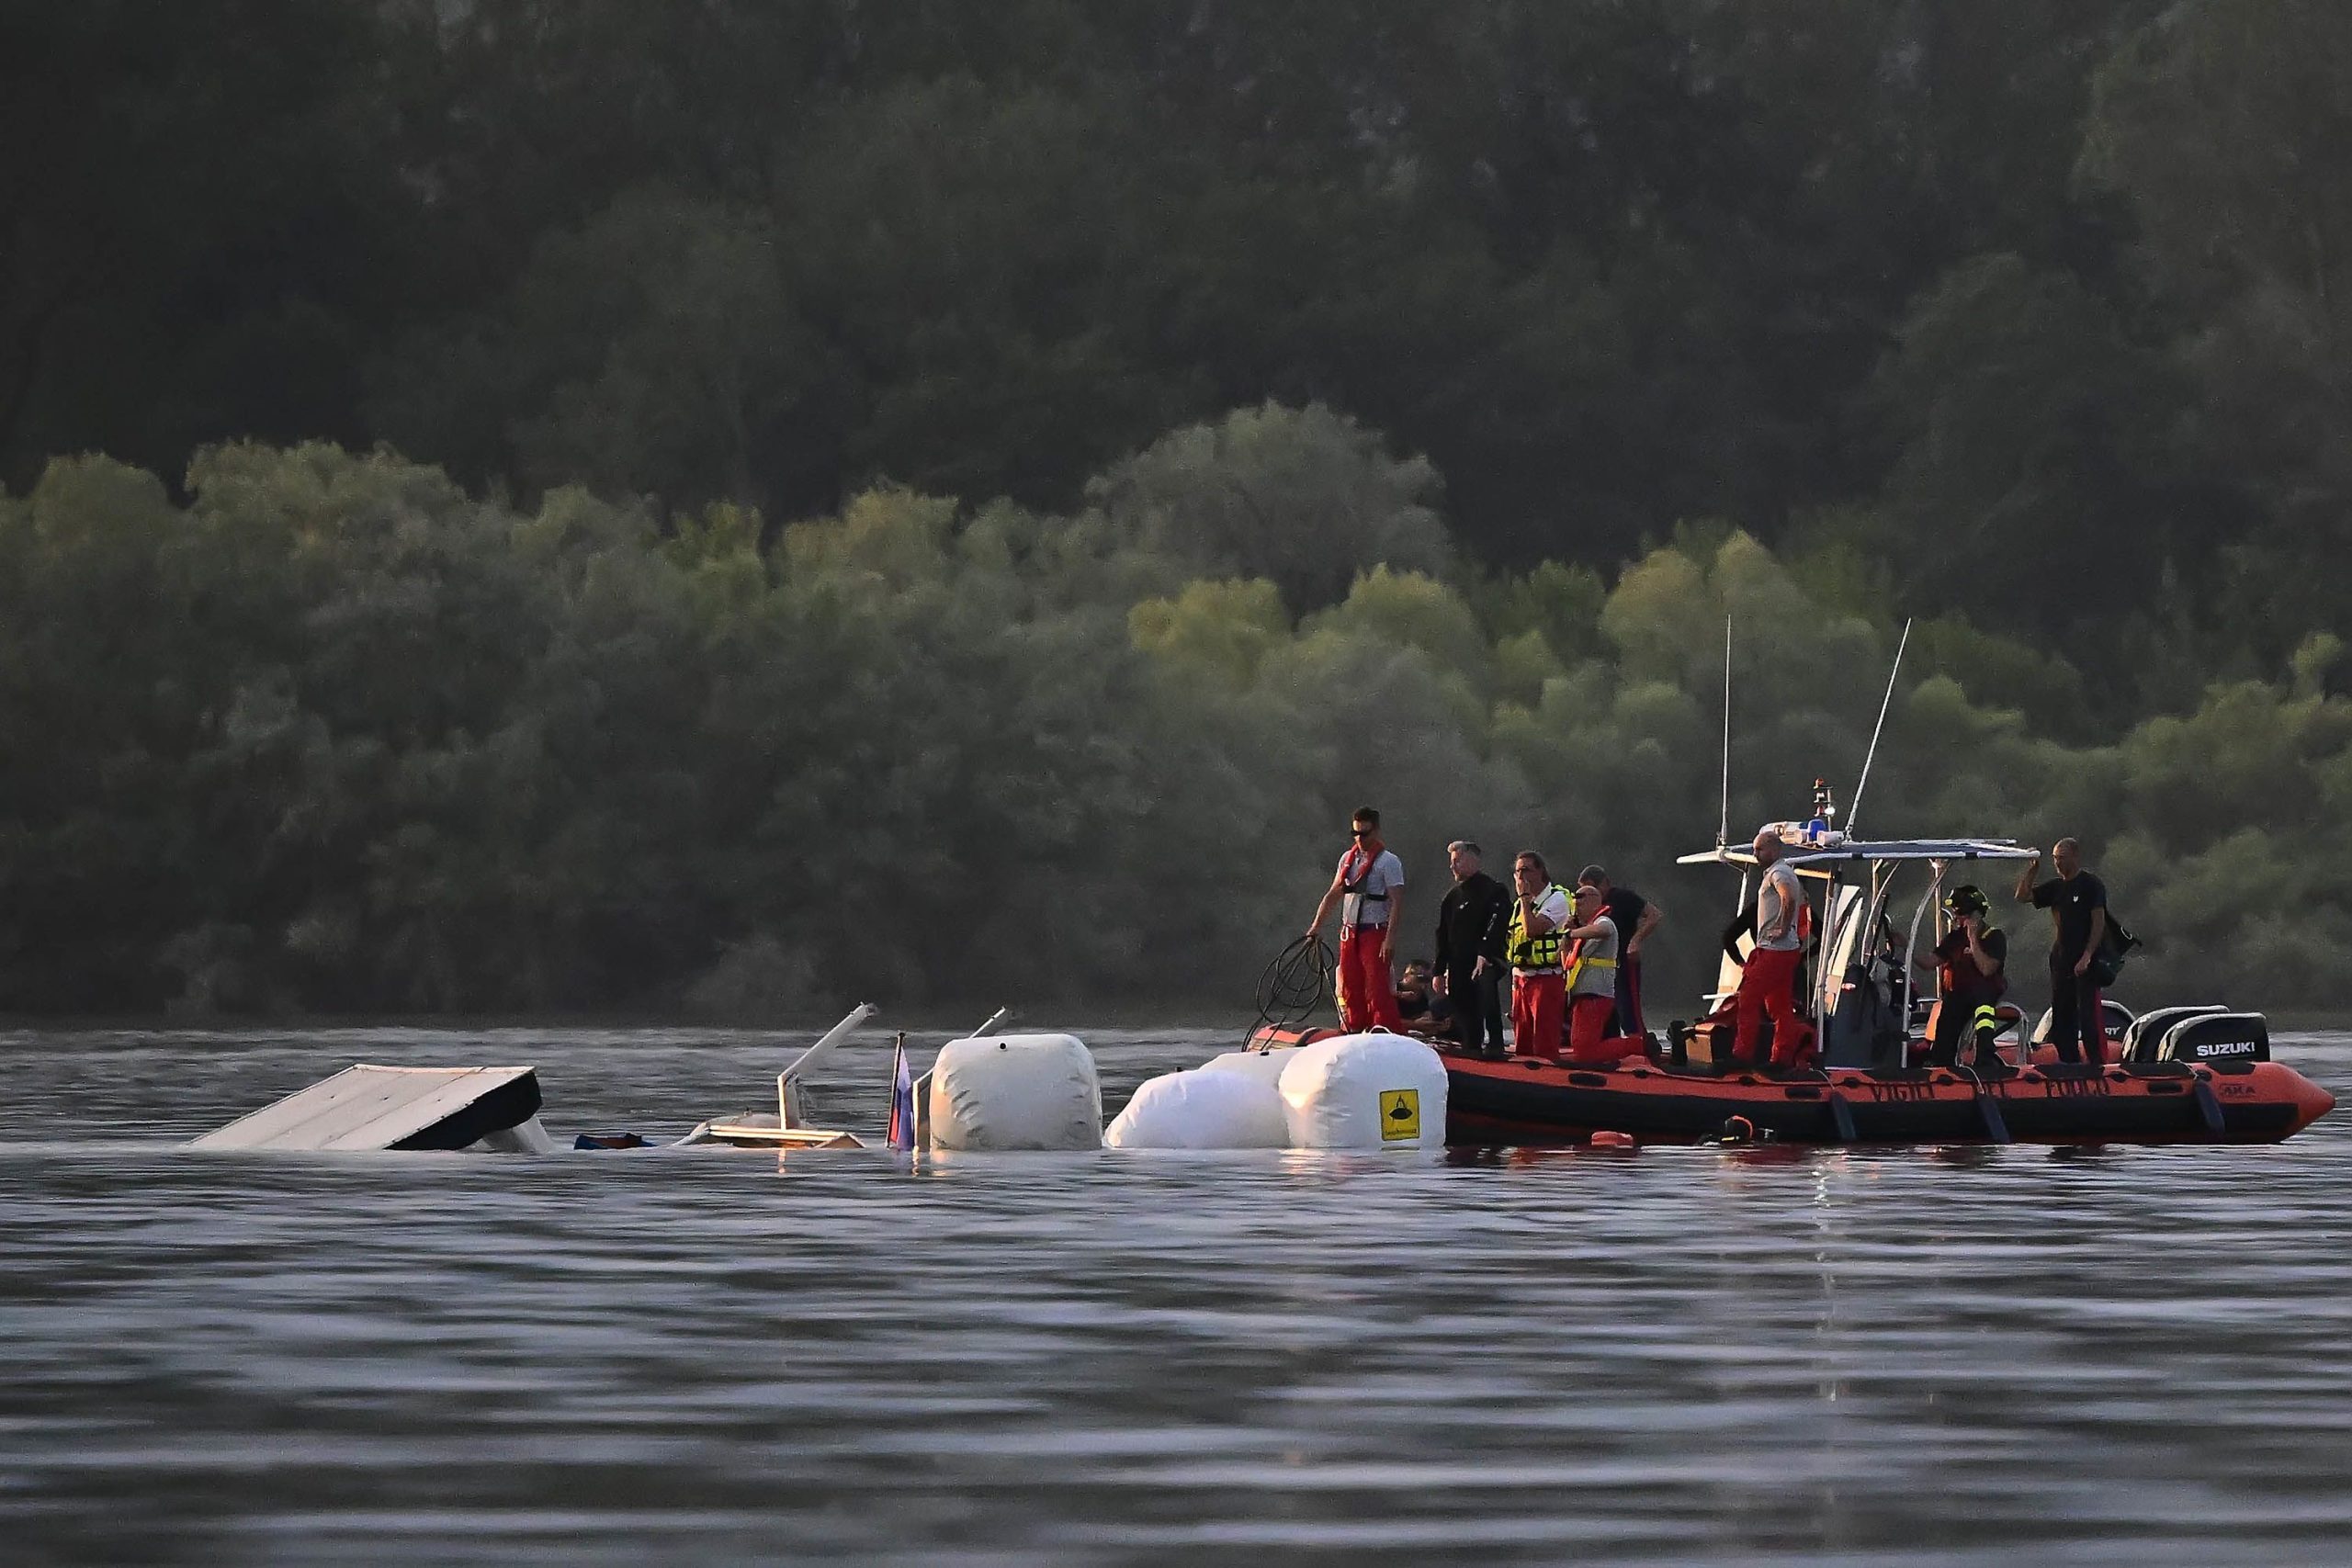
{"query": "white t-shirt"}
(1386, 875)
(1780, 896)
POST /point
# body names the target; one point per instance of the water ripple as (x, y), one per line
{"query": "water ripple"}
(1920, 1357)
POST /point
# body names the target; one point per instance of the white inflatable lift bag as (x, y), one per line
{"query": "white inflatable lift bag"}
(1365, 1091)
(1263, 1066)
(1015, 1091)
(1203, 1108)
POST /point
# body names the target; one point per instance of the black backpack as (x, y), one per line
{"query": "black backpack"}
(2115, 944)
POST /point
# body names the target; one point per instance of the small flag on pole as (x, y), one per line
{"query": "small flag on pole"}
(902, 1100)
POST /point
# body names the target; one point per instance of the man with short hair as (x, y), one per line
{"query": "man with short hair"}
(1538, 988)
(1367, 887)
(1470, 928)
(1591, 965)
(2077, 904)
(1768, 982)
(1635, 918)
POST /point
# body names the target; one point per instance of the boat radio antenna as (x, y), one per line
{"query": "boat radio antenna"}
(1854, 811)
(1722, 823)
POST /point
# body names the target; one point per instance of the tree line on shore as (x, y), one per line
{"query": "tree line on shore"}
(334, 734)
(2043, 307)
(742, 504)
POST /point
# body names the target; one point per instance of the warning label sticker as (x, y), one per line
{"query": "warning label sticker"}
(1400, 1114)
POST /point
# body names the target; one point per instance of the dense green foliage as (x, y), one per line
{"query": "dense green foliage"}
(1209, 415)
(334, 734)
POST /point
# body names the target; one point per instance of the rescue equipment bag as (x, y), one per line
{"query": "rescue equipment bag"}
(2115, 944)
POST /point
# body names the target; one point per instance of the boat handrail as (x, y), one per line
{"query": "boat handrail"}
(789, 1112)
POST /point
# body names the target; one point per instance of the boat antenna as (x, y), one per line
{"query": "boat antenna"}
(1722, 823)
(1854, 810)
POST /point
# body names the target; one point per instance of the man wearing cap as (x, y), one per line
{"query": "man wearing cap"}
(1969, 963)
(1367, 887)
(1470, 929)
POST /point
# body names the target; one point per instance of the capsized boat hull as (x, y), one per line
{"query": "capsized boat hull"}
(1523, 1101)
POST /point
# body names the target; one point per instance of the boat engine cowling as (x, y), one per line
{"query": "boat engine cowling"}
(2213, 1039)
(2114, 1020)
(2144, 1034)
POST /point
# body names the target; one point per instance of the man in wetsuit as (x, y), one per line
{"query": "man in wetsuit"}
(1470, 927)
(1968, 962)
(1635, 918)
(2077, 904)
(1367, 888)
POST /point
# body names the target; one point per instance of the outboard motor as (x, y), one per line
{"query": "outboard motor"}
(2145, 1032)
(2215, 1039)
(2114, 1022)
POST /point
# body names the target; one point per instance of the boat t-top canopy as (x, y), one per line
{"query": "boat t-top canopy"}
(1870, 849)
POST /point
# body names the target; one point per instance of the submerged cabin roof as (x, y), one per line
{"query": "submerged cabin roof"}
(372, 1106)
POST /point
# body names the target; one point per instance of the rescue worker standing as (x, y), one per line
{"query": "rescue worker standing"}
(1368, 888)
(1969, 965)
(2077, 904)
(1539, 987)
(1591, 965)
(1635, 918)
(1768, 982)
(1470, 927)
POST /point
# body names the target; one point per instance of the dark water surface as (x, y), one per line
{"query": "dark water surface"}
(1915, 1356)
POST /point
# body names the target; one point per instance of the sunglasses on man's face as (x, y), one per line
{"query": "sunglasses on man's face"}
(1362, 833)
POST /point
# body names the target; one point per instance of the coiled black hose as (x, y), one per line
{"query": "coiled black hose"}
(1297, 986)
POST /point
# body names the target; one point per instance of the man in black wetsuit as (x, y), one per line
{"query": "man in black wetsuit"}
(1470, 929)
(2077, 904)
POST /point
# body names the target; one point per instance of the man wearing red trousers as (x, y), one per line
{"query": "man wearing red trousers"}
(1367, 887)
(1539, 987)
(1768, 983)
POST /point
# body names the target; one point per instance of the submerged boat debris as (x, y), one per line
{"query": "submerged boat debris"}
(367, 1107)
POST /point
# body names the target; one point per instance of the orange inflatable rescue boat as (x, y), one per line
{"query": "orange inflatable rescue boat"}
(2181, 1075)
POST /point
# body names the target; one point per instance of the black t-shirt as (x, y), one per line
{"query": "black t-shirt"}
(1625, 908)
(1968, 983)
(2070, 903)
(1471, 923)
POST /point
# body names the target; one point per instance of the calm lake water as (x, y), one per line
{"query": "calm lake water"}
(1920, 1356)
